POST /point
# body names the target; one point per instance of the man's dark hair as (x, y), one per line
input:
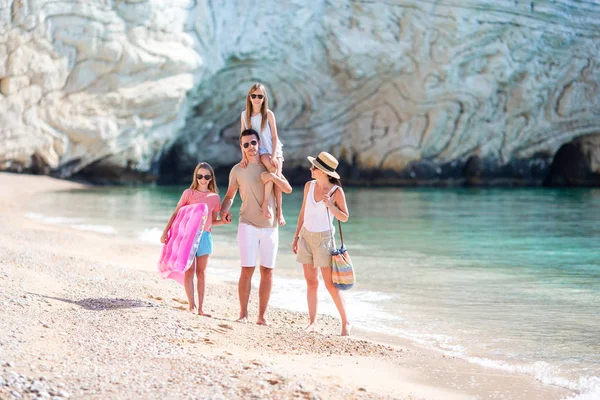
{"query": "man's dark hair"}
(249, 132)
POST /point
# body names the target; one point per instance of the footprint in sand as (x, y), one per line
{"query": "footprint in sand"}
(226, 326)
(180, 301)
(154, 297)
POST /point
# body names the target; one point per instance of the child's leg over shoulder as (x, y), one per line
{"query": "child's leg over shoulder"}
(266, 160)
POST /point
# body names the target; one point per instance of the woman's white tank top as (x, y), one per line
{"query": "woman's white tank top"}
(315, 213)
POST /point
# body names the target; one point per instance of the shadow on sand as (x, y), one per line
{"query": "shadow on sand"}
(101, 304)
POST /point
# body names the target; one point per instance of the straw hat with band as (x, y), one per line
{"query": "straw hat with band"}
(326, 163)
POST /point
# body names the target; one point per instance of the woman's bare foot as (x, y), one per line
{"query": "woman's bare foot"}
(281, 220)
(192, 308)
(265, 210)
(203, 314)
(346, 329)
(242, 320)
(262, 321)
(311, 328)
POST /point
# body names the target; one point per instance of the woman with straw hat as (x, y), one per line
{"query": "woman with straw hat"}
(313, 242)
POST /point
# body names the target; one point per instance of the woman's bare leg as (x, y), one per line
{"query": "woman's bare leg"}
(337, 299)
(312, 286)
(201, 263)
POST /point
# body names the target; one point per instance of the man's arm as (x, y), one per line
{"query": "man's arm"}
(281, 182)
(228, 200)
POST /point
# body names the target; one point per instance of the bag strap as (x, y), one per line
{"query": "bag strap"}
(339, 223)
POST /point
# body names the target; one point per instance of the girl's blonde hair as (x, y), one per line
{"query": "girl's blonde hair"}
(263, 109)
(212, 185)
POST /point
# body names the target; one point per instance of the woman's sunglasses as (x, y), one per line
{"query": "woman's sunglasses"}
(260, 96)
(253, 143)
(207, 177)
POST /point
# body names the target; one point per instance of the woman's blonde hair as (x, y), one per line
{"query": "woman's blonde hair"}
(263, 109)
(212, 185)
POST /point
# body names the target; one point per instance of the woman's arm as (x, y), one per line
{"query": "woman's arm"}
(300, 220)
(337, 205)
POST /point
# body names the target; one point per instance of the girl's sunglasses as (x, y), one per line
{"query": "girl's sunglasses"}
(207, 177)
(260, 96)
(253, 143)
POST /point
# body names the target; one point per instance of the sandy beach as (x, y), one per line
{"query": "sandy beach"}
(86, 315)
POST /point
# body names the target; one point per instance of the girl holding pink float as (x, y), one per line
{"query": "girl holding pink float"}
(202, 190)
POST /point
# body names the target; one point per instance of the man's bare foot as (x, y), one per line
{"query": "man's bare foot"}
(346, 329)
(263, 322)
(265, 210)
(203, 314)
(281, 220)
(311, 328)
(242, 320)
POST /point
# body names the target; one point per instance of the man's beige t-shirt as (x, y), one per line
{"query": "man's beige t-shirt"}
(252, 189)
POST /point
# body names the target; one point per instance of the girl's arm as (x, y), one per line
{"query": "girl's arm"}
(164, 236)
(216, 221)
(244, 162)
(182, 202)
(337, 205)
(300, 220)
(274, 137)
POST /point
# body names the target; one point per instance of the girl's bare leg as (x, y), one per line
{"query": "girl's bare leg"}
(266, 160)
(337, 299)
(188, 283)
(279, 194)
(201, 263)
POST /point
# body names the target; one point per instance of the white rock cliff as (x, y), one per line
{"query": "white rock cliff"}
(399, 90)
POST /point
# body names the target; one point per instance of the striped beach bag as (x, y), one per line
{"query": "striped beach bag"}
(342, 271)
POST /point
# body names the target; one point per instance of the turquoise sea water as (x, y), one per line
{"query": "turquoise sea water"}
(508, 278)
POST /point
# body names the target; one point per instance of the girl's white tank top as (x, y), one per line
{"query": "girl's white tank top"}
(316, 218)
(266, 138)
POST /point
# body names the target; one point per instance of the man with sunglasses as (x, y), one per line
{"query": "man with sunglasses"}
(258, 236)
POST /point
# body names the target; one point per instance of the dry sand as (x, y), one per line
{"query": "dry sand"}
(85, 315)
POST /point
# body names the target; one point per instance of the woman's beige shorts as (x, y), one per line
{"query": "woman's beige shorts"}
(314, 248)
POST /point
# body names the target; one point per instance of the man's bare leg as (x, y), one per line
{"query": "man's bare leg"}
(264, 294)
(244, 286)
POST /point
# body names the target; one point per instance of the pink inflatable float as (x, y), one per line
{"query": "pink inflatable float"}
(184, 236)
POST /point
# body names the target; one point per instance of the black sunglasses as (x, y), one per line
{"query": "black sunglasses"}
(260, 96)
(253, 143)
(207, 177)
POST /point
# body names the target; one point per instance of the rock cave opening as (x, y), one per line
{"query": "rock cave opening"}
(576, 163)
